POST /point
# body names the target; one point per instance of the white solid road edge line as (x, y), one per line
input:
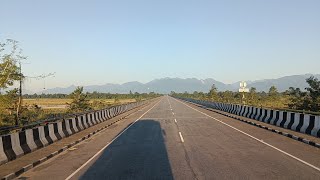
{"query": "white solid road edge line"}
(261, 141)
(75, 172)
(182, 140)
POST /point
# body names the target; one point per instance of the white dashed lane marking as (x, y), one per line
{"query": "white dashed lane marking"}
(181, 137)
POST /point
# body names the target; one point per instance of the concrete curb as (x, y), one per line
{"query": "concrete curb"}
(297, 138)
(65, 148)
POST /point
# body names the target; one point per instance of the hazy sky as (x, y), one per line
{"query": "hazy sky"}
(95, 42)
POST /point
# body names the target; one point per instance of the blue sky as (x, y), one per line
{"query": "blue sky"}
(97, 42)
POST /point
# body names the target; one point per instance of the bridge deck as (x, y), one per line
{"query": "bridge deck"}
(176, 140)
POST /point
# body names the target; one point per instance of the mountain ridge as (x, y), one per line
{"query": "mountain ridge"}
(167, 84)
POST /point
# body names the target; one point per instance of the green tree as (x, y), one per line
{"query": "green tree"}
(226, 96)
(213, 93)
(10, 56)
(297, 98)
(196, 95)
(202, 96)
(252, 96)
(8, 106)
(313, 95)
(309, 100)
(172, 93)
(79, 102)
(273, 91)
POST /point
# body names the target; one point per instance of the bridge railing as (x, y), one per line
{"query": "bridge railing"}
(300, 122)
(40, 134)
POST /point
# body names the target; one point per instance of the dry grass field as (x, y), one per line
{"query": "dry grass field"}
(50, 103)
(46, 101)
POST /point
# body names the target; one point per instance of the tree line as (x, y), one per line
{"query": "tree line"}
(95, 95)
(80, 100)
(293, 98)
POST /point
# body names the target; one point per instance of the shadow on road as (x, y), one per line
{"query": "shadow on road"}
(139, 153)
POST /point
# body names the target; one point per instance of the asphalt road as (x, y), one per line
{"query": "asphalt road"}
(172, 139)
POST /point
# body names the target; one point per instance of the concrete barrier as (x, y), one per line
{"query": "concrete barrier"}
(304, 123)
(18, 144)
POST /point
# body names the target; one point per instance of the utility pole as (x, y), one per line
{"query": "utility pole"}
(43, 76)
(20, 96)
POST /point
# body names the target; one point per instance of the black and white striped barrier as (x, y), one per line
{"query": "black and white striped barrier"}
(286, 134)
(18, 144)
(304, 123)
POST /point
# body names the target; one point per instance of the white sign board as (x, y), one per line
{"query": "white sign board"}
(244, 90)
(243, 84)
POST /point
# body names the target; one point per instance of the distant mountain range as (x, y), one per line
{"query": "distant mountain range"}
(166, 85)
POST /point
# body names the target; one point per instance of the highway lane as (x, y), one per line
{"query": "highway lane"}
(218, 151)
(61, 166)
(175, 140)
